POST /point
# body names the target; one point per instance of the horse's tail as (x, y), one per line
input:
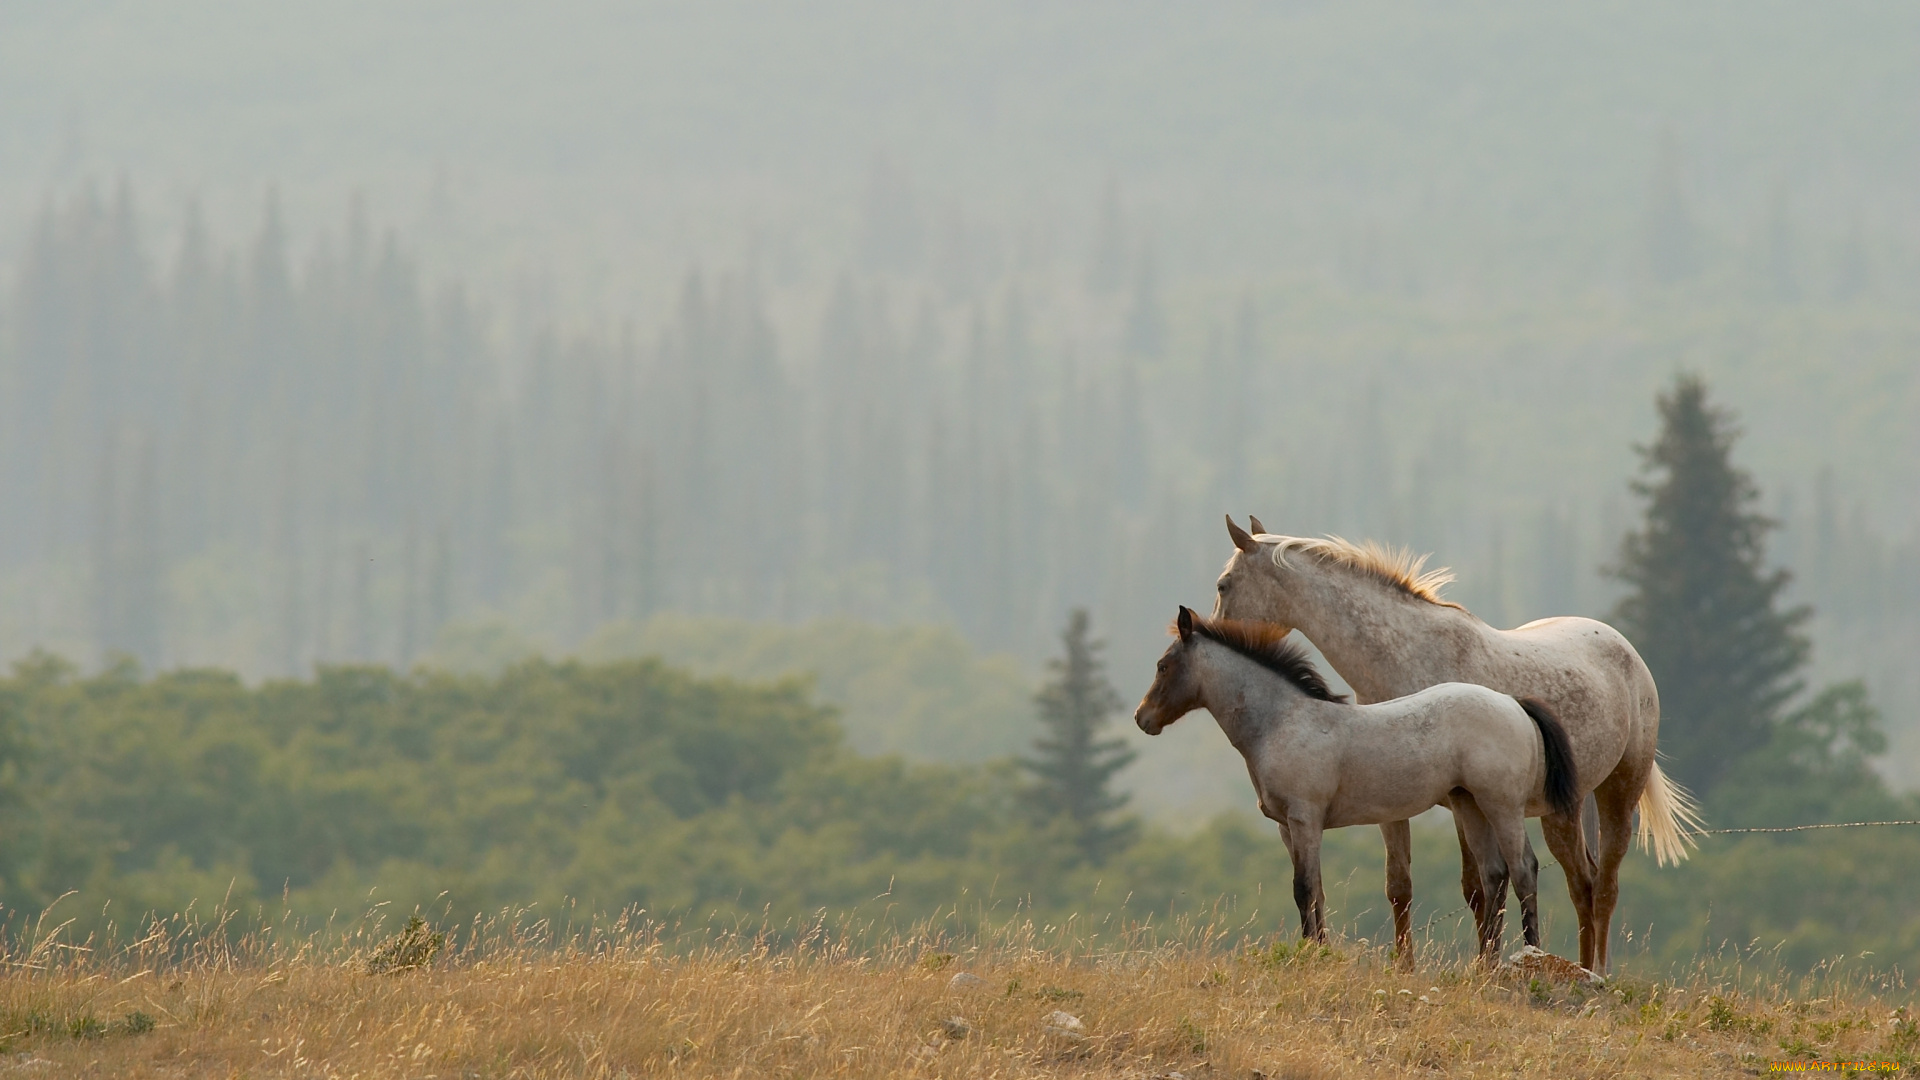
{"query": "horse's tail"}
(1563, 778)
(1669, 818)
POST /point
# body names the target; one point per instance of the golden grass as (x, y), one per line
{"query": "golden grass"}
(634, 1000)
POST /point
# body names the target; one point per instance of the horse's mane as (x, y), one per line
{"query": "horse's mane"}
(1395, 566)
(1267, 645)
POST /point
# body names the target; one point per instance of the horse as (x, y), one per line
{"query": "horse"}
(1319, 763)
(1377, 616)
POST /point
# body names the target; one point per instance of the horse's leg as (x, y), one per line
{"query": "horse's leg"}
(1485, 843)
(1568, 842)
(1510, 829)
(1304, 835)
(1470, 884)
(1399, 840)
(1293, 859)
(1616, 799)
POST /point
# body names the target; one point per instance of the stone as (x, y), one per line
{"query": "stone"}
(1532, 961)
(1065, 1021)
(956, 1027)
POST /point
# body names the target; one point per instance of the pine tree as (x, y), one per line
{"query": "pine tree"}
(1073, 765)
(1704, 609)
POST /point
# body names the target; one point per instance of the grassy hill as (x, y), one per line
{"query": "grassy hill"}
(634, 998)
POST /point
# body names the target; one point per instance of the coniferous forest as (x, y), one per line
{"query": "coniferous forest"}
(267, 454)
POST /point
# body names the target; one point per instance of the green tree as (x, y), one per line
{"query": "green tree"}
(1704, 610)
(1816, 768)
(1073, 766)
(15, 813)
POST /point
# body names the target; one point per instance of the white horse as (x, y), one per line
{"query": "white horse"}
(1380, 621)
(1318, 763)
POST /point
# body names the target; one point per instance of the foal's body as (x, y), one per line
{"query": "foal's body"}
(1365, 764)
(1318, 763)
(1383, 627)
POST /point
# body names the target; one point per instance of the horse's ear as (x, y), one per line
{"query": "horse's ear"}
(1185, 623)
(1241, 538)
(1254, 524)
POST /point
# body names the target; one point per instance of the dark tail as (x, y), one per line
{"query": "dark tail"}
(1563, 780)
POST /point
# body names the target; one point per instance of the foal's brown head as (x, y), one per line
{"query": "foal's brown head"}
(1176, 686)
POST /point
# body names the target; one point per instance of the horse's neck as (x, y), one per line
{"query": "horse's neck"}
(1382, 643)
(1249, 702)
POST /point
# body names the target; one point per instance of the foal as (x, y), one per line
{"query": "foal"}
(1318, 763)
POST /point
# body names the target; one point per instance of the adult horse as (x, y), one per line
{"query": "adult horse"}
(1380, 621)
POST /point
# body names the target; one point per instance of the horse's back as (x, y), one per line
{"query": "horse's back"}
(1573, 632)
(1568, 646)
(1589, 674)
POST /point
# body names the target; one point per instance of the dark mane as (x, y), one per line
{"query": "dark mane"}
(1266, 645)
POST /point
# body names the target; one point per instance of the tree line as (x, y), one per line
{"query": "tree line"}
(349, 461)
(278, 454)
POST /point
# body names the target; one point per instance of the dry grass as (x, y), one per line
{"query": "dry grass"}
(630, 999)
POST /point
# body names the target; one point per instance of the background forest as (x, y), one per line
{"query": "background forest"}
(402, 347)
(570, 789)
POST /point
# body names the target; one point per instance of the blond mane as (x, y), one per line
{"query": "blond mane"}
(1395, 566)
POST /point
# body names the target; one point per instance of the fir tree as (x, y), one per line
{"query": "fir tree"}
(1704, 609)
(1073, 766)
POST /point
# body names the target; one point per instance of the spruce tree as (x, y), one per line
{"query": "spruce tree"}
(1704, 610)
(1073, 766)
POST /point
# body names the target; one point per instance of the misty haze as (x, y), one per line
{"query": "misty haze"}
(868, 342)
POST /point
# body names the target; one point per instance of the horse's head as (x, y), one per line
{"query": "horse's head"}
(1250, 588)
(1176, 682)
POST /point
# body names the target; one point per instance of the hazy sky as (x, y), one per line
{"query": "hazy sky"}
(566, 132)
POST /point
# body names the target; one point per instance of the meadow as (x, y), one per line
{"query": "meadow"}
(509, 996)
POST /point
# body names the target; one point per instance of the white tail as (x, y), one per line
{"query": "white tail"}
(1669, 819)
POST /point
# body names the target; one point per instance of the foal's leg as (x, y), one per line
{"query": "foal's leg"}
(1399, 840)
(1510, 830)
(1470, 884)
(1568, 842)
(1294, 856)
(1303, 843)
(1486, 846)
